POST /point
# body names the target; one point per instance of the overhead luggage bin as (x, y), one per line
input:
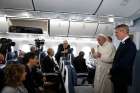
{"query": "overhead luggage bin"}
(82, 29)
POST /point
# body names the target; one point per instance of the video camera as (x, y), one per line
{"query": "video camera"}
(39, 42)
(5, 45)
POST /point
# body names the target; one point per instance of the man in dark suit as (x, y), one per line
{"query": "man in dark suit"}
(48, 64)
(121, 72)
(30, 60)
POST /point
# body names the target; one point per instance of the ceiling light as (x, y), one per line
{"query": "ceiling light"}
(75, 18)
(111, 19)
(90, 19)
(3, 18)
(25, 14)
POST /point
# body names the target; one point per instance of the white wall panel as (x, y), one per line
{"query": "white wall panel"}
(3, 25)
(124, 8)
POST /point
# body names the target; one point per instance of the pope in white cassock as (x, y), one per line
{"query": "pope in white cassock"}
(104, 58)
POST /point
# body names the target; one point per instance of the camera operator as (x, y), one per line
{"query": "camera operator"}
(5, 45)
(5, 48)
(2, 61)
(33, 49)
(39, 48)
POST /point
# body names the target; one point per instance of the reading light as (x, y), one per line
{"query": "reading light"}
(2, 18)
(25, 14)
(111, 19)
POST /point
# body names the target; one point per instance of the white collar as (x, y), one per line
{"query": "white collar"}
(125, 39)
(50, 57)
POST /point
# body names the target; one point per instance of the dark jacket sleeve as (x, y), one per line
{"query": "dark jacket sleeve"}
(28, 83)
(1, 79)
(48, 65)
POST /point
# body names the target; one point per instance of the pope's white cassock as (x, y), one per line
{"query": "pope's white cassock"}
(102, 83)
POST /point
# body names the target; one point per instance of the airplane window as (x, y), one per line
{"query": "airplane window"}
(45, 48)
(74, 50)
(86, 51)
(55, 49)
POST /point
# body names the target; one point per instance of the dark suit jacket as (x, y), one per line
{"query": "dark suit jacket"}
(1, 79)
(59, 52)
(123, 62)
(48, 65)
(28, 83)
(80, 65)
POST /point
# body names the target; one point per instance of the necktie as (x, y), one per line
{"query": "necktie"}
(120, 45)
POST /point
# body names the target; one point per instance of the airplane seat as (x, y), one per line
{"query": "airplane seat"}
(53, 81)
(82, 79)
(82, 84)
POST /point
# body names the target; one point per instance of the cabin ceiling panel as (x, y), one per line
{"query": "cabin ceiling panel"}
(82, 29)
(16, 4)
(124, 8)
(69, 6)
(104, 28)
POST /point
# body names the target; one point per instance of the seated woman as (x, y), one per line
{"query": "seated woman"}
(14, 75)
